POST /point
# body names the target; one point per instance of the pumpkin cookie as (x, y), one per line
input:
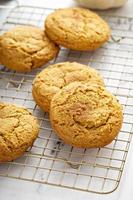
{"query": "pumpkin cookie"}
(86, 115)
(52, 79)
(77, 29)
(26, 47)
(18, 130)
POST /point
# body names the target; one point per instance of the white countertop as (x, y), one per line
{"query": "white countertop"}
(14, 189)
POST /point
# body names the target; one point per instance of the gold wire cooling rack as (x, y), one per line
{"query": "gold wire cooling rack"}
(50, 161)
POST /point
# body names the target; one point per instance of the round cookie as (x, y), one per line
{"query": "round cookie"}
(18, 130)
(24, 48)
(52, 79)
(77, 29)
(86, 115)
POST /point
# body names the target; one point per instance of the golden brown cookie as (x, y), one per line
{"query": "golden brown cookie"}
(77, 28)
(48, 82)
(18, 130)
(24, 48)
(86, 115)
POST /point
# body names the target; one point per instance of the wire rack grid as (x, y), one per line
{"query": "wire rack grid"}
(50, 161)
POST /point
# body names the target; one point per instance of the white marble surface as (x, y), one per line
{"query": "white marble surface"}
(22, 190)
(13, 189)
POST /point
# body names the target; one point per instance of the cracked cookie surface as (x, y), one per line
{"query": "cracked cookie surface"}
(77, 29)
(53, 78)
(86, 115)
(18, 130)
(24, 48)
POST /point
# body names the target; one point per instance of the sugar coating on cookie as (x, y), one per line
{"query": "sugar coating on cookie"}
(18, 130)
(86, 115)
(48, 82)
(77, 29)
(26, 47)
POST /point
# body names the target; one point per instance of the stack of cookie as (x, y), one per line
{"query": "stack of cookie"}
(82, 112)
